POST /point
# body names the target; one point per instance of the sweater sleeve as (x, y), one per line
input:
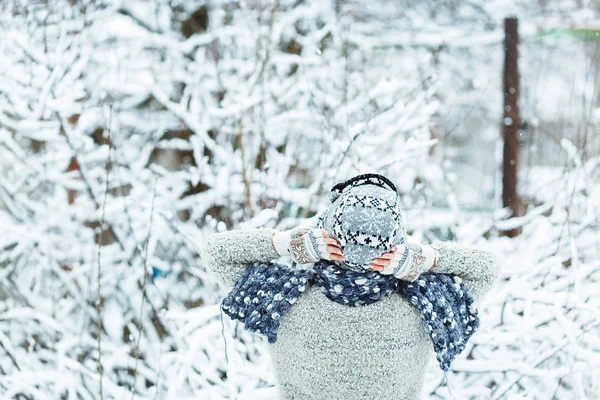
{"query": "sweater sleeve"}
(477, 268)
(225, 254)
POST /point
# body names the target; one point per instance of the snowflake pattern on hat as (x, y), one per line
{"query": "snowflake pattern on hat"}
(365, 218)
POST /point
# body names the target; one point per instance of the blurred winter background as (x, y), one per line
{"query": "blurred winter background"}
(130, 130)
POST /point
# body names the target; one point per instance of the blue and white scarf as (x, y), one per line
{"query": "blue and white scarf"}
(266, 291)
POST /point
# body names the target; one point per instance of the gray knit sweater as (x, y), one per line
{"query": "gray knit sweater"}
(329, 351)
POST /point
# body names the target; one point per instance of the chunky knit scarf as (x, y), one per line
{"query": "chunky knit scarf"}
(266, 291)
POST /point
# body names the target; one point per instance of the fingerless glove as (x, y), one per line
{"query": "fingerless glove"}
(410, 261)
(304, 245)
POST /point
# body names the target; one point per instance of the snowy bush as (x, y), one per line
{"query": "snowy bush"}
(129, 130)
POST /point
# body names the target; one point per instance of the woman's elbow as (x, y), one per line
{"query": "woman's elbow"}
(487, 267)
(212, 257)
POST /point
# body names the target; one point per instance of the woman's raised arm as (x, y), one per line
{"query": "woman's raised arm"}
(477, 268)
(225, 254)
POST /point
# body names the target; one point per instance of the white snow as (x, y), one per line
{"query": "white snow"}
(410, 92)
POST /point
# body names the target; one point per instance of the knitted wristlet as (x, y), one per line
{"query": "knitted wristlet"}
(304, 245)
(410, 261)
(280, 242)
(428, 252)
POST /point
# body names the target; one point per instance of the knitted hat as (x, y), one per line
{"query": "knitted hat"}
(364, 216)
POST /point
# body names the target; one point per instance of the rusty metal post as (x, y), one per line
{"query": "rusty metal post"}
(511, 123)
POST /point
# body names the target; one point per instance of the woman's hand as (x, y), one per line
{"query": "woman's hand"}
(405, 262)
(383, 261)
(307, 245)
